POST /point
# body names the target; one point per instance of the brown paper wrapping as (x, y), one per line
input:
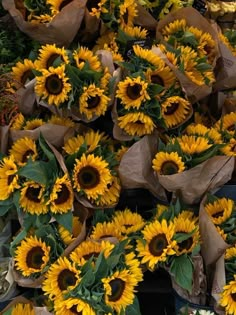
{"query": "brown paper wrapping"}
(4, 135)
(27, 98)
(91, 25)
(135, 169)
(193, 91)
(191, 185)
(61, 30)
(199, 286)
(54, 134)
(144, 18)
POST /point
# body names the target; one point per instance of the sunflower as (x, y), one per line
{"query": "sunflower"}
(41, 19)
(31, 198)
(230, 148)
(222, 233)
(33, 124)
(159, 243)
(220, 210)
(61, 198)
(48, 54)
(91, 175)
(21, 308)
(111, 194)
(18, 122)
(149, 56)
(95, 8)
(171, 56)
(230, 253)
(93, 101)
(214, 136)
(61, 121)
(107, 41)
(61, 277)
(186, 226)
(170, 7)
(68, 237)
(119, 290)
(165, 163)
(173, 28)
(120, 152)
(163, 76)
(91, 139)
(128, 11)
(31, 256)
(135, 31)
(227, 123)
(136, 124)
(175, 110)
(196, 129)
(188, 215)
(134, 266)
(83, 55)
(53, 86)
(105, 230)
(23, 149)
(132, 92)
(88, 248)
(72, 306)
(22, 71)
(127, 221)
(57, 5)
(160, 209)
(8, 177)
(193, 144)
(228, 297)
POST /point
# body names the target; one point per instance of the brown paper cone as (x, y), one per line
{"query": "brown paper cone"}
(192, 184)
(135, 169)
(61, 30)
(54, 134)
(199, 287)
(4, 135)
(144, 18)
(213, 245)
(18, 299)
(27, 98)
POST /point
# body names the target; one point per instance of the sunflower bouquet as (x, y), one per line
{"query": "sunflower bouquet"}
(149, 96)
(92, 165)
(97, 277)
(47, 21)
(195, 156)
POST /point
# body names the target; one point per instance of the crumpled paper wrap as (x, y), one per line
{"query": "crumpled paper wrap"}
(61, 30)
(191, 185)
(135, 169)
(144, 18)
(27, 99)
(4, 135)
(199, 286)
(54, 134)
(6, 279)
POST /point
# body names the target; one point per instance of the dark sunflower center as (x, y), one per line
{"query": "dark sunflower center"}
(63, 195)
(27, 75)
(94, 254)
(133, 91)
(51, 59)
(158, 244)
(231, 127)
(169, 168)
(54, 84)
(139, 122)
(92, 4)
(64, 3)
(105, 236)
(171, 109)
(93, 101)
(207, 49)
(127, 225)
(218, 214)
(65, 279)
(73, 310)
(186, 244)
(126, 16)
(34, 258)
(117, 289)
(26, 155)
(10, 179)
(156, 79)
(233, 296)
(88, 177)
(32, 194)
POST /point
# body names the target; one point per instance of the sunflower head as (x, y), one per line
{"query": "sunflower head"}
(220, 210)
(166, 163)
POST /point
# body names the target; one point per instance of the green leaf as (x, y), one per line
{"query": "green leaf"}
(65, 220)
(16, 240)
(47, 151)
(5, 206)
(182, 270)
(101, 268)
(134, 308)
(36, 171)
(180, 237)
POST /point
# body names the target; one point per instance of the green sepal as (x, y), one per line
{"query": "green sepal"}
(65, 220)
